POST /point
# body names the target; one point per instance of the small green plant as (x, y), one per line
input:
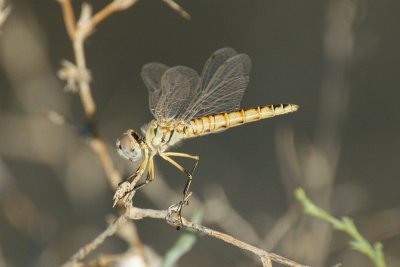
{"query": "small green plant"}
(346, 225)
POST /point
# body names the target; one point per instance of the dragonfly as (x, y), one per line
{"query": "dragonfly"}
(186, 105)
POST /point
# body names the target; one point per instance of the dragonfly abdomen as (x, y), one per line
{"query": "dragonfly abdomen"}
(215, 123)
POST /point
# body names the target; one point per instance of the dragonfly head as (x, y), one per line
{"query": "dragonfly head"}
(129, 145)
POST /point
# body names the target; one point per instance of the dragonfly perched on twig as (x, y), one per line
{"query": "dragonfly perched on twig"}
(186, 105)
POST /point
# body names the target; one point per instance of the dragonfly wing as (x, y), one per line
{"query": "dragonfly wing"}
(151, 75)
(224, 91)
(178, 85)
(214, 62)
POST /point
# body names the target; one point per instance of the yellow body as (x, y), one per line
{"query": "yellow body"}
(160, 136)
(215, 123)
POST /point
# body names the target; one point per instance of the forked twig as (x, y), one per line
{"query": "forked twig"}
(78, 76)
(139, 214)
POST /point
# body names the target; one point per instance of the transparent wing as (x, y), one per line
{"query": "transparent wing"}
(224, 90)
(214, 62)
(177, 86)
(151, 75)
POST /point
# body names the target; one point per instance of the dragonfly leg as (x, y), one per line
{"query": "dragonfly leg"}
(150, 175)
(131, 177)
(174, 216)
(182, 155)
(125, 188)
(189, 175)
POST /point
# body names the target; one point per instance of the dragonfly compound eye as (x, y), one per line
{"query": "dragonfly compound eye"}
(129, 147)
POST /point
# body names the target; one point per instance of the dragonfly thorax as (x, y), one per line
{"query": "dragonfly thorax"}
(160, 136)
(130, 145)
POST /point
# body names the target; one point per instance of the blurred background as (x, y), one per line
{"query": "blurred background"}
(337, 59)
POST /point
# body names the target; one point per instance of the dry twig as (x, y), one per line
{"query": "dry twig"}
(85, 250)
(78, 76)
(174, 6)
(171, 218)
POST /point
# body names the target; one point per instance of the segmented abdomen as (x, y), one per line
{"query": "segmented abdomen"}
(214, 123)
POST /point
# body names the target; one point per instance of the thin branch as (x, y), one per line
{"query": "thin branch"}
(83, 30)
(240, 244)
(266, 262)
(98, 145)
(78, 78)
(85, 250)
(137, 214)
(69, 17)
(111, 8)
(174, 220)
(177, 8)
